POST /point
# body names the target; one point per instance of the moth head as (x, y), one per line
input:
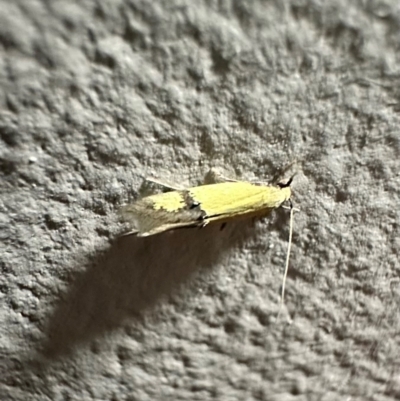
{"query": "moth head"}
(286, 184)
(285, 187)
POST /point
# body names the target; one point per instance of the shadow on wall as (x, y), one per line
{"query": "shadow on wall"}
(130, 277)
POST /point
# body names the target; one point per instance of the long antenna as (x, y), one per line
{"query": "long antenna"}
(287, 257)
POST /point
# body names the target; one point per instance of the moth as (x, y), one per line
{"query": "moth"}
(204, 204)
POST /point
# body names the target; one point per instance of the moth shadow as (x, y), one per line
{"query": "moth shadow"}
(131, 277)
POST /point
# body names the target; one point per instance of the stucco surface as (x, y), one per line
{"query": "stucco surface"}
(97, 95)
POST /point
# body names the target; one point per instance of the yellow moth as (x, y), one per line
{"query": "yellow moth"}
(204, 204)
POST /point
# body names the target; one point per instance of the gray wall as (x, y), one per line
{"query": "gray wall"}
(97, 95)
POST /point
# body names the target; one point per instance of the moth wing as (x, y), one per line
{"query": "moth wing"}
(235, 199)
(200, 205)
(148, 217)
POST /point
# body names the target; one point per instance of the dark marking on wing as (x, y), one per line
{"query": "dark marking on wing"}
(194, 205)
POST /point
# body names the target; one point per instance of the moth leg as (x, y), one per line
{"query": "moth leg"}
(163, 184)
(132, 232)
(290, 208)
(203, 221)
(214, 176)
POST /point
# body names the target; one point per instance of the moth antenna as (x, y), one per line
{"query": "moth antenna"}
(292, 209)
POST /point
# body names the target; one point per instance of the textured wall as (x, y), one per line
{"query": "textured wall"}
(97, 95)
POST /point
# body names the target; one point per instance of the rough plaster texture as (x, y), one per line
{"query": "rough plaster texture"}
(97, 95)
